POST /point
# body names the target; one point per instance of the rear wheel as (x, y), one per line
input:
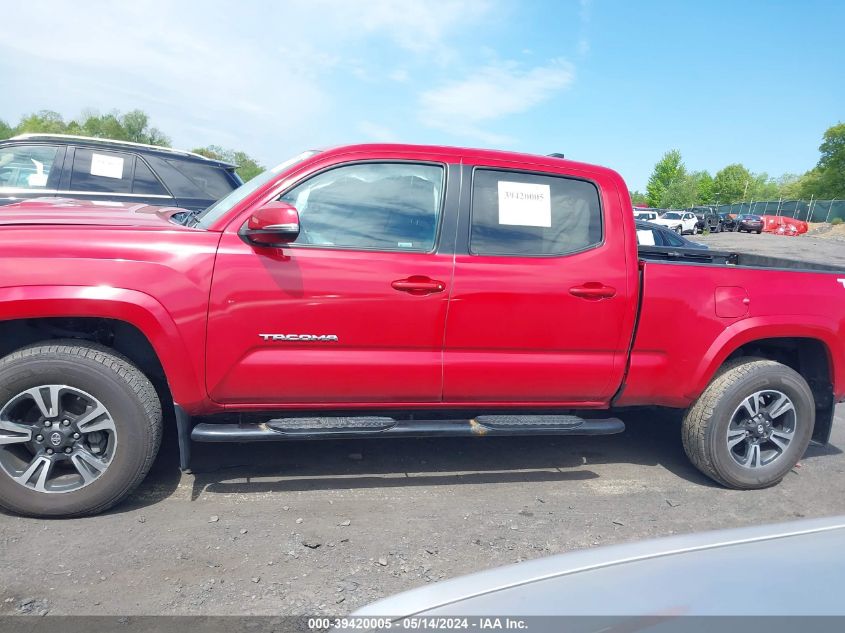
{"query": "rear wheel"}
(751, 425)
(79, 429)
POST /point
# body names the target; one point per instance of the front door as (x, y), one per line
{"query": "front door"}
(542, 299)
(29, 171)
(353, 311)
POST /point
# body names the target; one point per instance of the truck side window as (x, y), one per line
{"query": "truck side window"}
(95, 170)
(376, 206)
(515, 213)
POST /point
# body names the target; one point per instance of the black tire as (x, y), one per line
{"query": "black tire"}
(130, 400)
(758, 232)
(705, 425)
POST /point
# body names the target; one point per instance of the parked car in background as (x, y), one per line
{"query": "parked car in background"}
(707, 219)
(649, 234)
(679, 221)
(728, 222)
(625, 586)
(645, 215)
(750, 223)
(58, 165)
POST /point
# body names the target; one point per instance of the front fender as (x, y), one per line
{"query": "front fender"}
(182, 364)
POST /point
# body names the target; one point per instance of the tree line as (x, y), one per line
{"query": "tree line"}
(131, 126)
(673, 186)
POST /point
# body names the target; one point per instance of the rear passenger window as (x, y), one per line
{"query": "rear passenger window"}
(516, 213)
(377, 206)
(209, 181)
(145, 181)
(95, 170)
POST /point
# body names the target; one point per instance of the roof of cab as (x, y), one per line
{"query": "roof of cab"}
(464, 152)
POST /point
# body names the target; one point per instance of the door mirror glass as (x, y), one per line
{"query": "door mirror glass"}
(274, 224)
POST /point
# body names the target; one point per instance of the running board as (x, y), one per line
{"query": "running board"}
(347, 427)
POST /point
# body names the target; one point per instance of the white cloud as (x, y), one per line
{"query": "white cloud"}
(400, 74)
(491, 93)
(415, 25)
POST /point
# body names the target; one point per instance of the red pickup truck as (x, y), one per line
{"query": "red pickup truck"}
(393, 290)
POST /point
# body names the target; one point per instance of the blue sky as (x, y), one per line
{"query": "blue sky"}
(615, 83)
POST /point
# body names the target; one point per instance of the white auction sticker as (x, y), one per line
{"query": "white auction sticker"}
(524, 204)
(645, 238)
(106, 166)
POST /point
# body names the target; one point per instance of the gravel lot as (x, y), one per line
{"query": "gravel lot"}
(325, 527)
(827, 248)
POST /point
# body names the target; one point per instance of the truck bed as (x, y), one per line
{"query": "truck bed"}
(731, 258)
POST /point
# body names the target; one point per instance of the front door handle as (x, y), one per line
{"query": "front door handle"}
(593, 291)
(419, 285)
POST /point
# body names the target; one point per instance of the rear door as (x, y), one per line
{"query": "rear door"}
(95, 174)
(354, 311)
(542, 302)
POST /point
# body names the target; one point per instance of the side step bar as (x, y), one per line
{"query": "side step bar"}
(347, 427)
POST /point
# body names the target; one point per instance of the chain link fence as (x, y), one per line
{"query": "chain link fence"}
(808, 210)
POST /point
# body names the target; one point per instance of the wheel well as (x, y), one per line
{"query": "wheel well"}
(810, 358)
(122, 337)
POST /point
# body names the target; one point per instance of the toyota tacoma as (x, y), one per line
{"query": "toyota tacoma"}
(393, 290)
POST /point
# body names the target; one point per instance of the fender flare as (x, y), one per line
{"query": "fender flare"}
(756, 328)
(137, 308)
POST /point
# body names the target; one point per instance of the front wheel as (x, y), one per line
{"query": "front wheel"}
(79, 429)
(679, 230)
(751, 425)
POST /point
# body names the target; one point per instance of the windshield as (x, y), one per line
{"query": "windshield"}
(644, 216)
(224, 205)
(672, 216)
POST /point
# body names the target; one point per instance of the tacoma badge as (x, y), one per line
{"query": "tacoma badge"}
(324, 338)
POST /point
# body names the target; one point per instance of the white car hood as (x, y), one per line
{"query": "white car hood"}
(664, 222)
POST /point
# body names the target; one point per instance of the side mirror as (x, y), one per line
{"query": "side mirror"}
(274, 224)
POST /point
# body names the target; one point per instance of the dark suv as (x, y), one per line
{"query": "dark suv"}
(57, 165)
(708, 219)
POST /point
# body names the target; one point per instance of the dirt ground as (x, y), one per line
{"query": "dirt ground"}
(326, 527)
(824, 244)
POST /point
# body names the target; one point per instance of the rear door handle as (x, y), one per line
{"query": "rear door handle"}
(418, 285)
(593, 291)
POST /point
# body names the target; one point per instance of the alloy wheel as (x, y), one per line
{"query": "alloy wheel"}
(55, 438)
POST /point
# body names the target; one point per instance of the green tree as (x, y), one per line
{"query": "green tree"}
(831, 166)
(638, 199)
(45, 121)
(668, 169)
(704, 186)
(681, 193)
(133, 126)
(731, 183)
(5, 130)
(248, 167)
